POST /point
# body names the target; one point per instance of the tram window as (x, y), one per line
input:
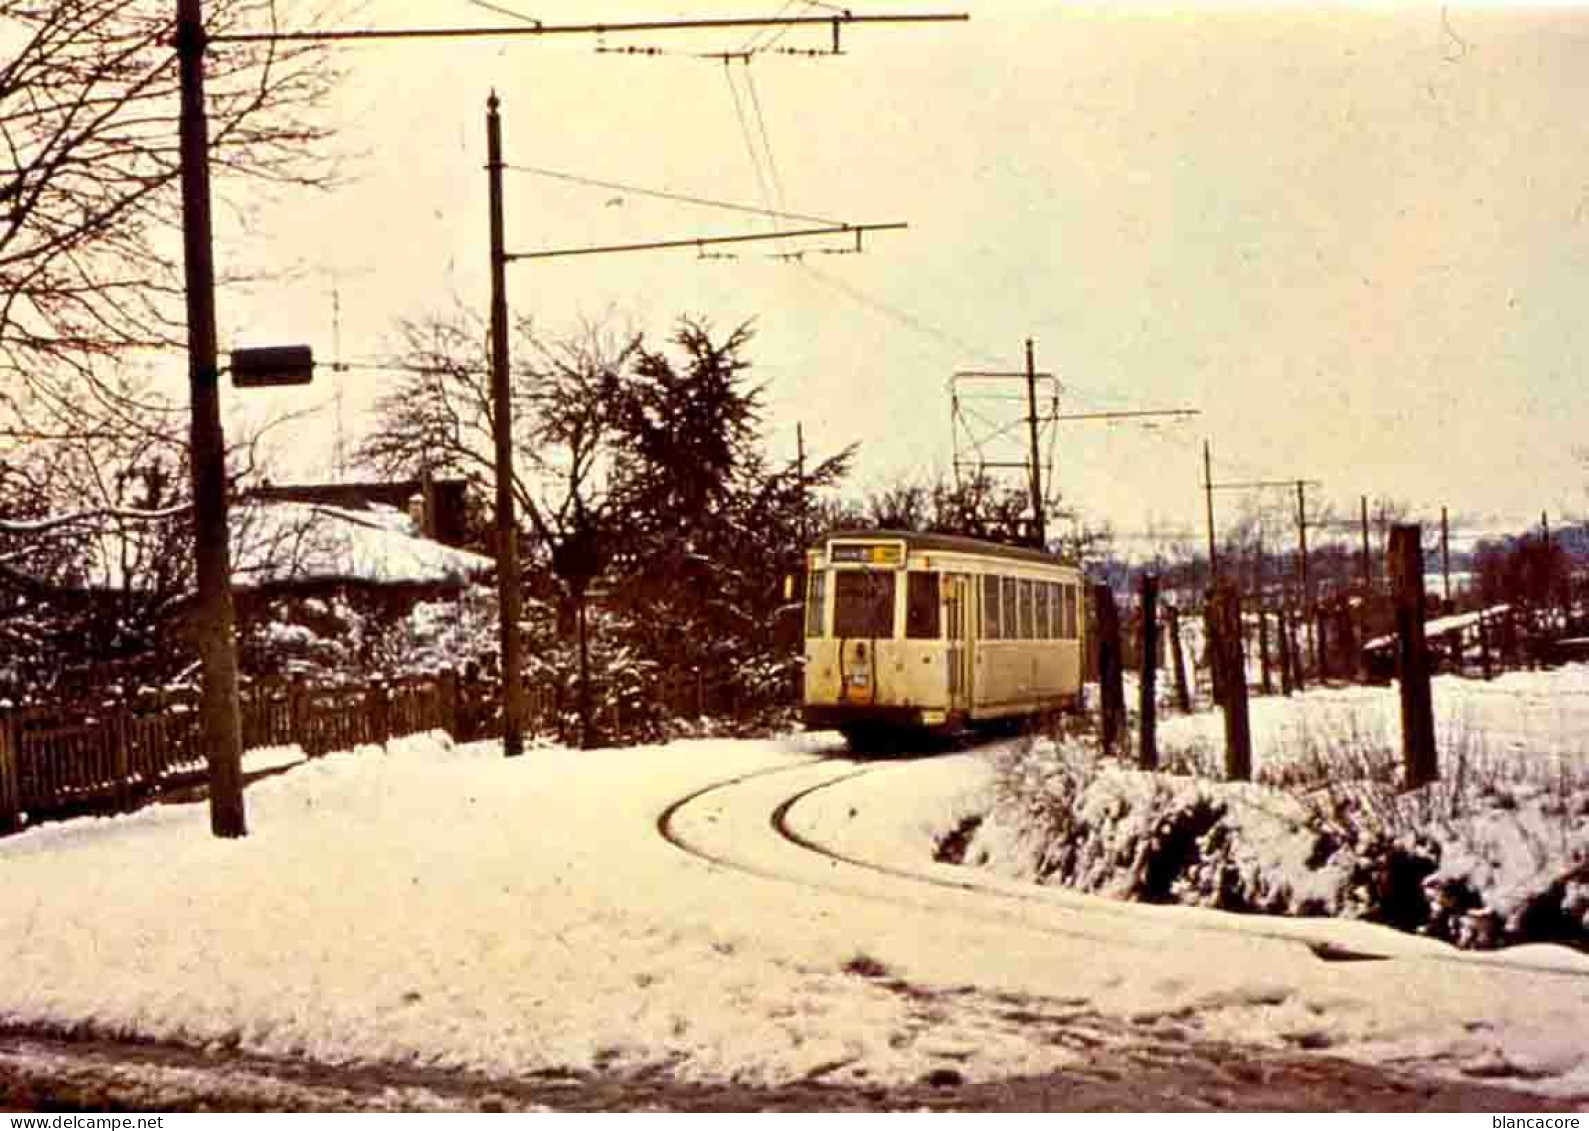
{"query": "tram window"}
(991, 621)
(1070, 612)
(1023, 589)
(816, 594)
(1045, 610)
(1012, 609)
(921, 605)
(863, 603)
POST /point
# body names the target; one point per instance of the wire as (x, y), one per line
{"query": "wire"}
(766, 144)
(501, 11)
(744, 131)
(680, 198)
(902, 317)
(751, 44)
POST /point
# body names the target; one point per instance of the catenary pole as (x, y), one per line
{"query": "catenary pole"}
(219, 714)
(502, 435)
(1038, 532)
(1208, 487)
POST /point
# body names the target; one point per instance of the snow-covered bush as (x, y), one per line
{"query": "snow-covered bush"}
(1494, 853)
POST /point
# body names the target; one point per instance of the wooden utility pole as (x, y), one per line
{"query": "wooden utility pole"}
(1148, 748)
(1111, 668)
(1420, 765)
(1208, 488)
(1225, 617)
(502, 435)
(215, 621)
(1039, 531)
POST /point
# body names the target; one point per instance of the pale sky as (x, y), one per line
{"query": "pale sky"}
(1355, 238)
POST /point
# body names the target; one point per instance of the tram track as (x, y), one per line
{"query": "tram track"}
(997, 901)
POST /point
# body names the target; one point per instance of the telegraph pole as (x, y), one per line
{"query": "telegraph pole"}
(1302, 564)
(1040, 538)
(1208, 487)
(502, 434)
(215, 624)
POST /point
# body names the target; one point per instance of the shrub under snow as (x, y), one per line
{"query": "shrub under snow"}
(1494, 854)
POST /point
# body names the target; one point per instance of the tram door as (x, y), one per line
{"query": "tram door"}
(958, 611)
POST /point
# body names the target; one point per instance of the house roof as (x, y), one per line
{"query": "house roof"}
(284, 542)
(289, 543)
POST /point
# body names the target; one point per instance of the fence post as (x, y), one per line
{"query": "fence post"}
(1225, 619)
(10, 783)
(1111, 682)
(121, 752)
(447, 708)
(1265, 674)
(381, 713)
(298, 716)
(1183, 694)
(1148, 749)
(1484, 643)
(1299, 649)
(1420, 764)
(1287, 671)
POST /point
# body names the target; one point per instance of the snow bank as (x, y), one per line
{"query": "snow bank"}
(1495, 853)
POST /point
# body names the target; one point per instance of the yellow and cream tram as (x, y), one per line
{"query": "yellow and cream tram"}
(907, 631)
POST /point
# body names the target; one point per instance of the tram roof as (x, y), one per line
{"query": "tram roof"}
(948, 544)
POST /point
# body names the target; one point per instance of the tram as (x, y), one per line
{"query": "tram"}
(932, 632)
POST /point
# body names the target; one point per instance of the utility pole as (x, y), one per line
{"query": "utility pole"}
(1039, 534)
(1208, 487)
(1302, 564)
(215, 624)
(502, 434)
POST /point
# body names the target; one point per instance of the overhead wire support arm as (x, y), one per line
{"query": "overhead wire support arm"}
(329, 35)
(705, 241)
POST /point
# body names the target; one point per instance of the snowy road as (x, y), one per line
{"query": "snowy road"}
(439, 910)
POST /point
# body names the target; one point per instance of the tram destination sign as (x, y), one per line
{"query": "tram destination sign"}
(867, 553)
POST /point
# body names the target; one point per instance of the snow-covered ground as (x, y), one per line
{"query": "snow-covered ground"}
(438, 905)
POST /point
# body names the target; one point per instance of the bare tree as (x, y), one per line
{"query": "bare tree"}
(95, 542)
(567, 395)
(90, 265)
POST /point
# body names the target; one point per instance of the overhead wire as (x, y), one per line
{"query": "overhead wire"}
(766, 143)
(660, 194)
(751, 43)
(904, 318)
(744, 130)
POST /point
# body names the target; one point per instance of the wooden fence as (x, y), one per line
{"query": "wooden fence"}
(61, 761)
(65, 760)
